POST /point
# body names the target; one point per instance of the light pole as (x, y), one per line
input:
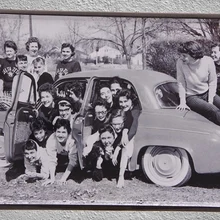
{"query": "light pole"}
(143, 44)
(30, 26)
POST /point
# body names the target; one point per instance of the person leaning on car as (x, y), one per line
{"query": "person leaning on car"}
(215, 54)
(197, 82)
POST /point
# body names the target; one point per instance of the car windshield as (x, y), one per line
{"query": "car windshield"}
(167, 94)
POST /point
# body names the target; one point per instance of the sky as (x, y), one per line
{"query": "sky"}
(47, 26)
(53, 27)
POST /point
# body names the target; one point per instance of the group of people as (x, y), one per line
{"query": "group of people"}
(53, 143)
(116, 109)
(33, 63)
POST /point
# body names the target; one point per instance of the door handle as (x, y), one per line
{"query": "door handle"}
(26, 112)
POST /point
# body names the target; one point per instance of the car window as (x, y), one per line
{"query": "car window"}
(26, 93)
(167, 94)
(73, 88)
(65, 87)
(124, 84)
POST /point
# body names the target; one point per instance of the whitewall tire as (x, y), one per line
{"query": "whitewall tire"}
(166, 166)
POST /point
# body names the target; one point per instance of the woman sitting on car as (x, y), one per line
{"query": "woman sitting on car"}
(197, 81)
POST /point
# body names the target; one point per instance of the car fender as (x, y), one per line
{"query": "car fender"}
(198, 145)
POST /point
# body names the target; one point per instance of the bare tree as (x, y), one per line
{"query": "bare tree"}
(10, 28)
(123, 33)
(125, 36)
(73, 35)
(196, 28)
(210, 27)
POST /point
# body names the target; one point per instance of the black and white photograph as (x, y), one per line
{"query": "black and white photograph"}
(109, 110)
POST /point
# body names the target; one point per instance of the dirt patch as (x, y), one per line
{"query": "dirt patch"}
(201, 191)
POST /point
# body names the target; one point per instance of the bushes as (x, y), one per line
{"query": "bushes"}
(162, 56)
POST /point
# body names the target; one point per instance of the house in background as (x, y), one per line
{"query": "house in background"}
(137, 59)
(106, 54)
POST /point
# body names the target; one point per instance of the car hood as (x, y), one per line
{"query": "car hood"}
(182, 120)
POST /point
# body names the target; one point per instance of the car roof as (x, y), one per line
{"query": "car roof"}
(141, 79)
(148, 77)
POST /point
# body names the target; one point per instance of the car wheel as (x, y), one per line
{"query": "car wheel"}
(166, 166)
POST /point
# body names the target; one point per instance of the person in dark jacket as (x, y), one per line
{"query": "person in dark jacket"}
(68, 64)
(100, 158)
(8, 67)
(101, 114)
(40, 132)
(42, 76)
(106, 146)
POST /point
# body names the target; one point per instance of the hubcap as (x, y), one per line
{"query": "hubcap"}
(166, 166)
(166, 161)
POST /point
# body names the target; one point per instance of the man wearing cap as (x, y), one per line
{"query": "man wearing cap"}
(66, 110)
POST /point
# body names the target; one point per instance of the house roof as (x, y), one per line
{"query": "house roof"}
(105, 47)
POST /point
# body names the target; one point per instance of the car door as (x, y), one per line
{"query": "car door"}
(3, 112)
(82, 125)
(5, 104)
(19, 117)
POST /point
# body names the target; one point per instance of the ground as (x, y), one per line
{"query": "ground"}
(202, 190)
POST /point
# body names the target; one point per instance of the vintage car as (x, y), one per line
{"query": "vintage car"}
(169, 144)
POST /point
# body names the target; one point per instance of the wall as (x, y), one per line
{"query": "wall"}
(129, 6)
